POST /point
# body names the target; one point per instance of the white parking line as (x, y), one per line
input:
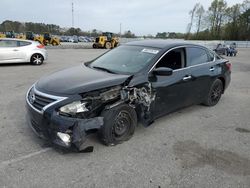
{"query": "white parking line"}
(8, 162)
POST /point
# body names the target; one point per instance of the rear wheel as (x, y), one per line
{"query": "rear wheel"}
(108, 45)
(94, 46)
(119, 124)
(215, 93)
(36, 59)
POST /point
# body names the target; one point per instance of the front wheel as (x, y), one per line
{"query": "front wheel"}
(36, 59)
(214, 93)
(119, 124)
(108, 45)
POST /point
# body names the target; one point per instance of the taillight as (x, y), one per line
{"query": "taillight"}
(40, 46)
(229, 66)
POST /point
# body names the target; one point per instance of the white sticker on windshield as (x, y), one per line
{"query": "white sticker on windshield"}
(151, 51)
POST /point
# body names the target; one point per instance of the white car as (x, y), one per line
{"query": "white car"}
(21, 51)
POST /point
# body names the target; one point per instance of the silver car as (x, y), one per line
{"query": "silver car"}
(21, 51)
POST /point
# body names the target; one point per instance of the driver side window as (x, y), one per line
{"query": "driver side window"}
(175, 59)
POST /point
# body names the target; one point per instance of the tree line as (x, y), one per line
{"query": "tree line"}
(220, 21)
(40, 28)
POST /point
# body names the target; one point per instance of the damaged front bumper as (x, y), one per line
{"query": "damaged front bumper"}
(62, 131)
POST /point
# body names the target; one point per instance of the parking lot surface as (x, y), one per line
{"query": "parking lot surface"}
(194, 147)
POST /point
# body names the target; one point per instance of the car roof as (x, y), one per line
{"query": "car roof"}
(15, 39)
(163, 44)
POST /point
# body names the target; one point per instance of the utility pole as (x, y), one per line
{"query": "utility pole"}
(72, 13)
(120, 29)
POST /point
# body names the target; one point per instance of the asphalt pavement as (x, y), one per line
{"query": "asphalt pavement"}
(195, 147)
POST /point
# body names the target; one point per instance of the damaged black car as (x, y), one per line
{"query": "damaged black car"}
(135, 82)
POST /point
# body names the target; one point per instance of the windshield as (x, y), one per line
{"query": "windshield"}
(125, 59)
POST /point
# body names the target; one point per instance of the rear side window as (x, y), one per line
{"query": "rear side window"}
(196, 56)
(23, 43)
(8, 43)
(210, 56)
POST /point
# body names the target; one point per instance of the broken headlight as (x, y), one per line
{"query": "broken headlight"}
(74, 108)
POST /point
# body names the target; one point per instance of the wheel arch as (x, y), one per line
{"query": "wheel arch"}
(35, 54)
(222, 79)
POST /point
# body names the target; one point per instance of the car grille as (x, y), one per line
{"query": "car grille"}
(39, 100)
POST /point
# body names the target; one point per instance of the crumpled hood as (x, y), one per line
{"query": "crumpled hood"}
(77, 80)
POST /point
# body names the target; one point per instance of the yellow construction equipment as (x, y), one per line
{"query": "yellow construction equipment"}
(106, 40)
(2, 35)
(48, 39)
(20, 36)
(10, 34)
(43, 39)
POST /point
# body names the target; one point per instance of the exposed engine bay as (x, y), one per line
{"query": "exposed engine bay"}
(140, 98)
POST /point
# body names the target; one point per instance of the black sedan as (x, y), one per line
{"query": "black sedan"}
(136, 82)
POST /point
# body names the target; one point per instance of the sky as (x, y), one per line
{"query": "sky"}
(141, 17)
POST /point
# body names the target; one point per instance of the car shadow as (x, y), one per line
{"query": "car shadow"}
(14, 64)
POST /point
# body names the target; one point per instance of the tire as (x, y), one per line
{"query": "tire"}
(94, 46)
(214, 93)
(36, 59)
(108, 45)
(119, 125)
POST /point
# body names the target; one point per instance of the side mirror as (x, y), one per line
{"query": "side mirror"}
(163, 71)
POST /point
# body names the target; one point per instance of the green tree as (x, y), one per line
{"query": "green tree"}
(199, 13)
(217, 13)
(161, 35)
(192, 14)
(129, 34)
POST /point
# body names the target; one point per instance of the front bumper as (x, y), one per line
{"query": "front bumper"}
(48, 123)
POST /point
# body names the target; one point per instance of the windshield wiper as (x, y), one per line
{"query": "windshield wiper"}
(104, 69)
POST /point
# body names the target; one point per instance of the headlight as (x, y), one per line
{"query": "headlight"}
(74, 107)
(64, 137)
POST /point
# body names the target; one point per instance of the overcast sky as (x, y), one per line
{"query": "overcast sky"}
(142, 17)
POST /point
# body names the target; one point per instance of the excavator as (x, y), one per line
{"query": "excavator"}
(106, 40)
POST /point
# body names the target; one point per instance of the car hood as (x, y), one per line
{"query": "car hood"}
(77, 80)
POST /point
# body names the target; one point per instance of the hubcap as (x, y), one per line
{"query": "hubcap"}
(37, 59)
(216, 93)
(121, 125)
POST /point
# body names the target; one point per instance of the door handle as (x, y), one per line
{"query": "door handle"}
(212, 69)
(15, 50)
(186, 78)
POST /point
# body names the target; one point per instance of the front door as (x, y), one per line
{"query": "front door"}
(172, 92)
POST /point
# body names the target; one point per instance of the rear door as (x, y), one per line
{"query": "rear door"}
(202, 70)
